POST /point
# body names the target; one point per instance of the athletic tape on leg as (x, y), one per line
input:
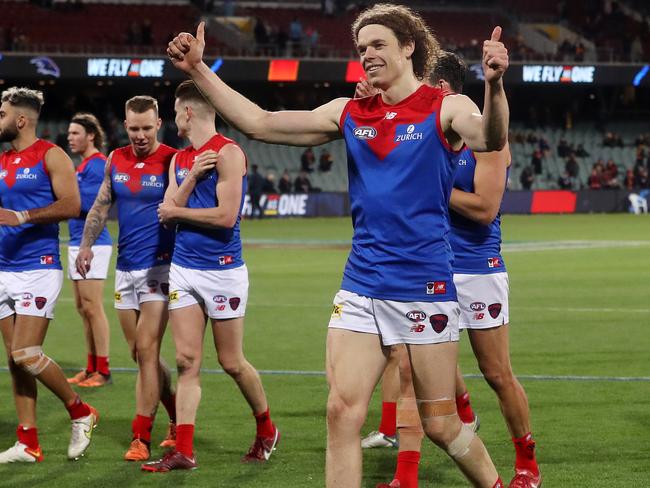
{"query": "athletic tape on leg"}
(31, 359)
(460, 445)
(436, 408)
(408, 417)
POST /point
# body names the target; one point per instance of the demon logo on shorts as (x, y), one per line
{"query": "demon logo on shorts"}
(40, 302)
(439, 322)
(164, 287)
(234, 302)
(495, 310)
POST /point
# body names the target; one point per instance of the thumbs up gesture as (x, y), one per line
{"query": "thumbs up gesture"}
(186, 51)
(495, 57)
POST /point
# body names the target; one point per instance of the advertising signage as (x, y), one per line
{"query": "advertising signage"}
(116, 68)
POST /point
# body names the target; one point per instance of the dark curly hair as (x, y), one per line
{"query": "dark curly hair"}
(408, 26)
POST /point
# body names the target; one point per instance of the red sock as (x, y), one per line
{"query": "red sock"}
(407, 468)
(498, 484)
(265, 427)
(388, 424)
(169, 402)
(525, 449)
(78, 409)
(102, 365)
(90, 363)
(185, 439)
(141, 427)
(29, 437)
(464, 408)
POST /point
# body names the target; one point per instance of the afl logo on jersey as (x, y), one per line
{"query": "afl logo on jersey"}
(183, 173)
(121, 178)
(365, 132)
(3, 174)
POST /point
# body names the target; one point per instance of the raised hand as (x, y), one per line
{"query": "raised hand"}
(186, 51)
(495, 57)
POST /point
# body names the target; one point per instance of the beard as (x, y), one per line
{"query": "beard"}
(8, 134)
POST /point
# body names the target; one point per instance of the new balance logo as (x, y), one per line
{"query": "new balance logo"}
(139, 166)
(390, 115)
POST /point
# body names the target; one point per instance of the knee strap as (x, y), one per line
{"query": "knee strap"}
(31, 359)
(408, 418)
(436, 408)
(460, 445)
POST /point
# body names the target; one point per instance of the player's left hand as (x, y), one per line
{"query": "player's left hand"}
(9, 217)
(495, 57)
(166, 211)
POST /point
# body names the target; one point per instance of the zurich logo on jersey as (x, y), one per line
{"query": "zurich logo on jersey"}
(152, 181)
(409, 134)
(121, 178)
(365, 132)
(26, 175)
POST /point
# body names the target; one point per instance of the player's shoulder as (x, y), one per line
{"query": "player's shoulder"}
(166, 151)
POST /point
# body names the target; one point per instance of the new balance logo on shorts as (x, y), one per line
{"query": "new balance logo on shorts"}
(494, 263)
(436, 287)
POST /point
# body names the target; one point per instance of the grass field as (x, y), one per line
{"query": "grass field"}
(580, 313)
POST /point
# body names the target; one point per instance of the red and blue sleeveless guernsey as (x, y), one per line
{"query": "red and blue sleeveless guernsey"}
(138, 187)
(400, 171)
(476, 247)
(90, 175)
(25, 184)
(199, 247)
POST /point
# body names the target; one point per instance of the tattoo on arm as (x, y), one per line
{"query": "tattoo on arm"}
(98, 214)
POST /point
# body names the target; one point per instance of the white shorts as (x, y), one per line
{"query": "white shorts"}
(30, 292)
(142, 285)
(396, 322)
(98, 266)
(483, 300)
(223, 294)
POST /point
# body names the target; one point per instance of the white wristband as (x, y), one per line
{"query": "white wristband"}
(22, 216)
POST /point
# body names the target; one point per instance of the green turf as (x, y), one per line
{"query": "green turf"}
(578, 312)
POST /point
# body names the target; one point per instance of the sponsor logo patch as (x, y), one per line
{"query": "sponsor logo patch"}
(27, 296)
(121, 178)
(495, 310)
(417, 328)
(164, 287)
(219, 299)
(234, 302)
(139, 165)
(3, 174)
(479, 316)
(365, 132)
(221, 308)
(173, 296)
(477, 306)
(439, 322)
(337, 311)
(40, 302)
(47, 259)
(390, 115)
(118, 296)
(153, 286)
(26, 304)
(416, 315)
(494, 263)
(225, 260)
(436, 287)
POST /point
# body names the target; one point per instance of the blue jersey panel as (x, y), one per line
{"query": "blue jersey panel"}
(25, 184)
(200, 247)
(400, 176)
(90, 175)
(476, 247)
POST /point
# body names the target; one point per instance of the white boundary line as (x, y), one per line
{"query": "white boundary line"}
(290, 372)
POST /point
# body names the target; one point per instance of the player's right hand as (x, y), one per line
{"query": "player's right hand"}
(203, 163)
(186, 51)
(364, 89)
(84, 258)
